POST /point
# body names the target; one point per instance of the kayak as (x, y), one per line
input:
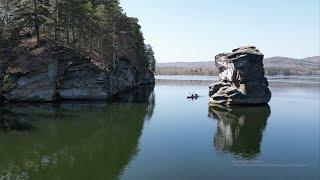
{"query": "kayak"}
(192, 97)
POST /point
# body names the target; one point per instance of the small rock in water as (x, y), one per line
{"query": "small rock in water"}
(242, 78)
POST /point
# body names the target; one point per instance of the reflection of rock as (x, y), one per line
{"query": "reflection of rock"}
(10, 123)
(242, 78)
(240, 128)
(140, 94)
(73, 141)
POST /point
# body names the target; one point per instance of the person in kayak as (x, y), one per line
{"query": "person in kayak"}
(193, 96)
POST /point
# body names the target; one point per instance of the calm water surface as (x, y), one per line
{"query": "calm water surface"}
(159, 134)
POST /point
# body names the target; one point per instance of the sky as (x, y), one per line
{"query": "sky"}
(197, 30)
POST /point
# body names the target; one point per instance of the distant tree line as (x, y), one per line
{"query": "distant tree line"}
(270, 71)
(83, 25)
(186, 71)
(273, 71)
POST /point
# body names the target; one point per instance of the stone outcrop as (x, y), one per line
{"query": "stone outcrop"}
(242, 78)
(45, 74)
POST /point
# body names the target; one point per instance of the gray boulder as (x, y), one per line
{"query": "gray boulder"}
(242, 78)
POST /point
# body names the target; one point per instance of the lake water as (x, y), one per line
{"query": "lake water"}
(159, 134)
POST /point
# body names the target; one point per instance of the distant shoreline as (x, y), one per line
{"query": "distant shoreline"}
(160, 76)
(195, 79)
(273, 76)
(274, 66)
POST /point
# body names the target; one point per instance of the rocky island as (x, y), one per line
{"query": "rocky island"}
(242, 78)
(93, 54)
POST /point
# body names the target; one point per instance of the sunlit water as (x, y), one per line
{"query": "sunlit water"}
(159, 134)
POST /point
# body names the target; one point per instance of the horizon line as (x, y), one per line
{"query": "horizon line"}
(207, 60)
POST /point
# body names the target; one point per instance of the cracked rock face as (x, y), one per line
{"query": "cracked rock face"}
(242, 78)
(44, 74)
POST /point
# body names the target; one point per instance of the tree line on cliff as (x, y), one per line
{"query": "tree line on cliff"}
(83, 25)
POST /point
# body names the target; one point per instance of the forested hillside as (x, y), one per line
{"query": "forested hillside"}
(99, 27)
(52, 50)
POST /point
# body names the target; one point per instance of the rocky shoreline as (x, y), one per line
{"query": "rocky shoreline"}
(44, 74)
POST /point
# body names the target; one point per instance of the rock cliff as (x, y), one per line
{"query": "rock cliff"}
(242, 78)
(45, 73)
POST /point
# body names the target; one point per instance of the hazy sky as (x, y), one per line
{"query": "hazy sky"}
(195, 30)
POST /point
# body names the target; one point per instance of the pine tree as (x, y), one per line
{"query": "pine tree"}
(86, 26)
(31, 13)
(150, 57)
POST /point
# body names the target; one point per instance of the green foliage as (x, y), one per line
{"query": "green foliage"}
(87, 26)
(30, 13)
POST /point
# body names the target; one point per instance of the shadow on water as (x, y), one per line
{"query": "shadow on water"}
(72, 140)
(240, 129)
(10, 123)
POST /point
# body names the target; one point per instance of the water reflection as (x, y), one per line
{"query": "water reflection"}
(240, 129)
(10, 123)
(72, 140)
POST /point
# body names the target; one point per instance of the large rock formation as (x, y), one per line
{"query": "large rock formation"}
(242, 78)
(43, 73)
